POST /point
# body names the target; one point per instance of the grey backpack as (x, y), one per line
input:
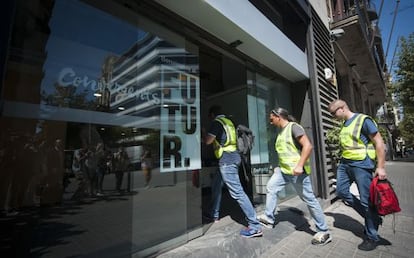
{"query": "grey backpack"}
(245, 139)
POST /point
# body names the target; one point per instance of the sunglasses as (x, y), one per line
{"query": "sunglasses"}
(333, 113)
(275, 113)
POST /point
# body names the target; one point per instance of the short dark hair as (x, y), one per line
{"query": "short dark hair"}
(216, 110)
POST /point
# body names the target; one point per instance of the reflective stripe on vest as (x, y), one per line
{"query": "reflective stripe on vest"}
(288, 153)
(230, 144)
(353, 148)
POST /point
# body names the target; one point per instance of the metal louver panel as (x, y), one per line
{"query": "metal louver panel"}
(323, 93)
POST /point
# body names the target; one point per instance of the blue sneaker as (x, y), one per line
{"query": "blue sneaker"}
(249, 233)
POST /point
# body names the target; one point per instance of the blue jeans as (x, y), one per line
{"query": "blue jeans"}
(303, 188)
(345, 176)
(229, 174)
(216, 189)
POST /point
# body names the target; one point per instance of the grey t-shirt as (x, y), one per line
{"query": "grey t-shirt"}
(297, 131)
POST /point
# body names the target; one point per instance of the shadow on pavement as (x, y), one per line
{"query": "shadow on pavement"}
(295, 217)
(348, 223)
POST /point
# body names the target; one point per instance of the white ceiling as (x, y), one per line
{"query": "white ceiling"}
(232, 20)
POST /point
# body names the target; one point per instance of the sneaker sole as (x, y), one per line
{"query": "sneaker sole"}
(324, 243)
(266, 225)
(258, 234)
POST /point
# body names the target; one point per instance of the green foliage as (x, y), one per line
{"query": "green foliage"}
(332, 139)
(406, 128)
(384, 133)
(403, 88)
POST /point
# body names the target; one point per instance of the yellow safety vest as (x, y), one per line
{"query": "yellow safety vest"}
(353, 148)
(289, 155)
(230, 144)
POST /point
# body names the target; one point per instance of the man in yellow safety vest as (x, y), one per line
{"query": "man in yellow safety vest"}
(294, 149)
(363, 152)
(222, 134)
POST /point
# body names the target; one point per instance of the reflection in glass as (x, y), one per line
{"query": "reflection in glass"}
(76, 124)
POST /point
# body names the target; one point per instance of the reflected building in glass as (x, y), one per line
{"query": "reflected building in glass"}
(91, 88)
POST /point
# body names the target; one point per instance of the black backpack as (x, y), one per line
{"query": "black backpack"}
(245, 139)
(245, 142)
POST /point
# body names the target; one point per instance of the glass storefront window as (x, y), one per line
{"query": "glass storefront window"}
(264, 95)
(100, 147)
(100, 114)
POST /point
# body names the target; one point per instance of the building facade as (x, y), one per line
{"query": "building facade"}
(360, 61)
(83, 80)
(359, 54)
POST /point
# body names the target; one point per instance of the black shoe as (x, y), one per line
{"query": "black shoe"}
(368, 245)
(207, 218)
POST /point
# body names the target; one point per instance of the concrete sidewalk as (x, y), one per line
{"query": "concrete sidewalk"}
(292, 235)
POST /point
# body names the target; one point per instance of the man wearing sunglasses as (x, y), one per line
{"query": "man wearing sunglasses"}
(363, 156)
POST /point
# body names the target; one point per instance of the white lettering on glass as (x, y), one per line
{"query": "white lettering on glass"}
(67, 77)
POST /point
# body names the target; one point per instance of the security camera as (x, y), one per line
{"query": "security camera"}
(337, 33)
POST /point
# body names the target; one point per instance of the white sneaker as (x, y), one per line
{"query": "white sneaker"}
(265, 221)
(321, 238)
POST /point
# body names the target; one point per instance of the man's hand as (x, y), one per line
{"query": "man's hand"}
(298, 170)
(380, 172)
